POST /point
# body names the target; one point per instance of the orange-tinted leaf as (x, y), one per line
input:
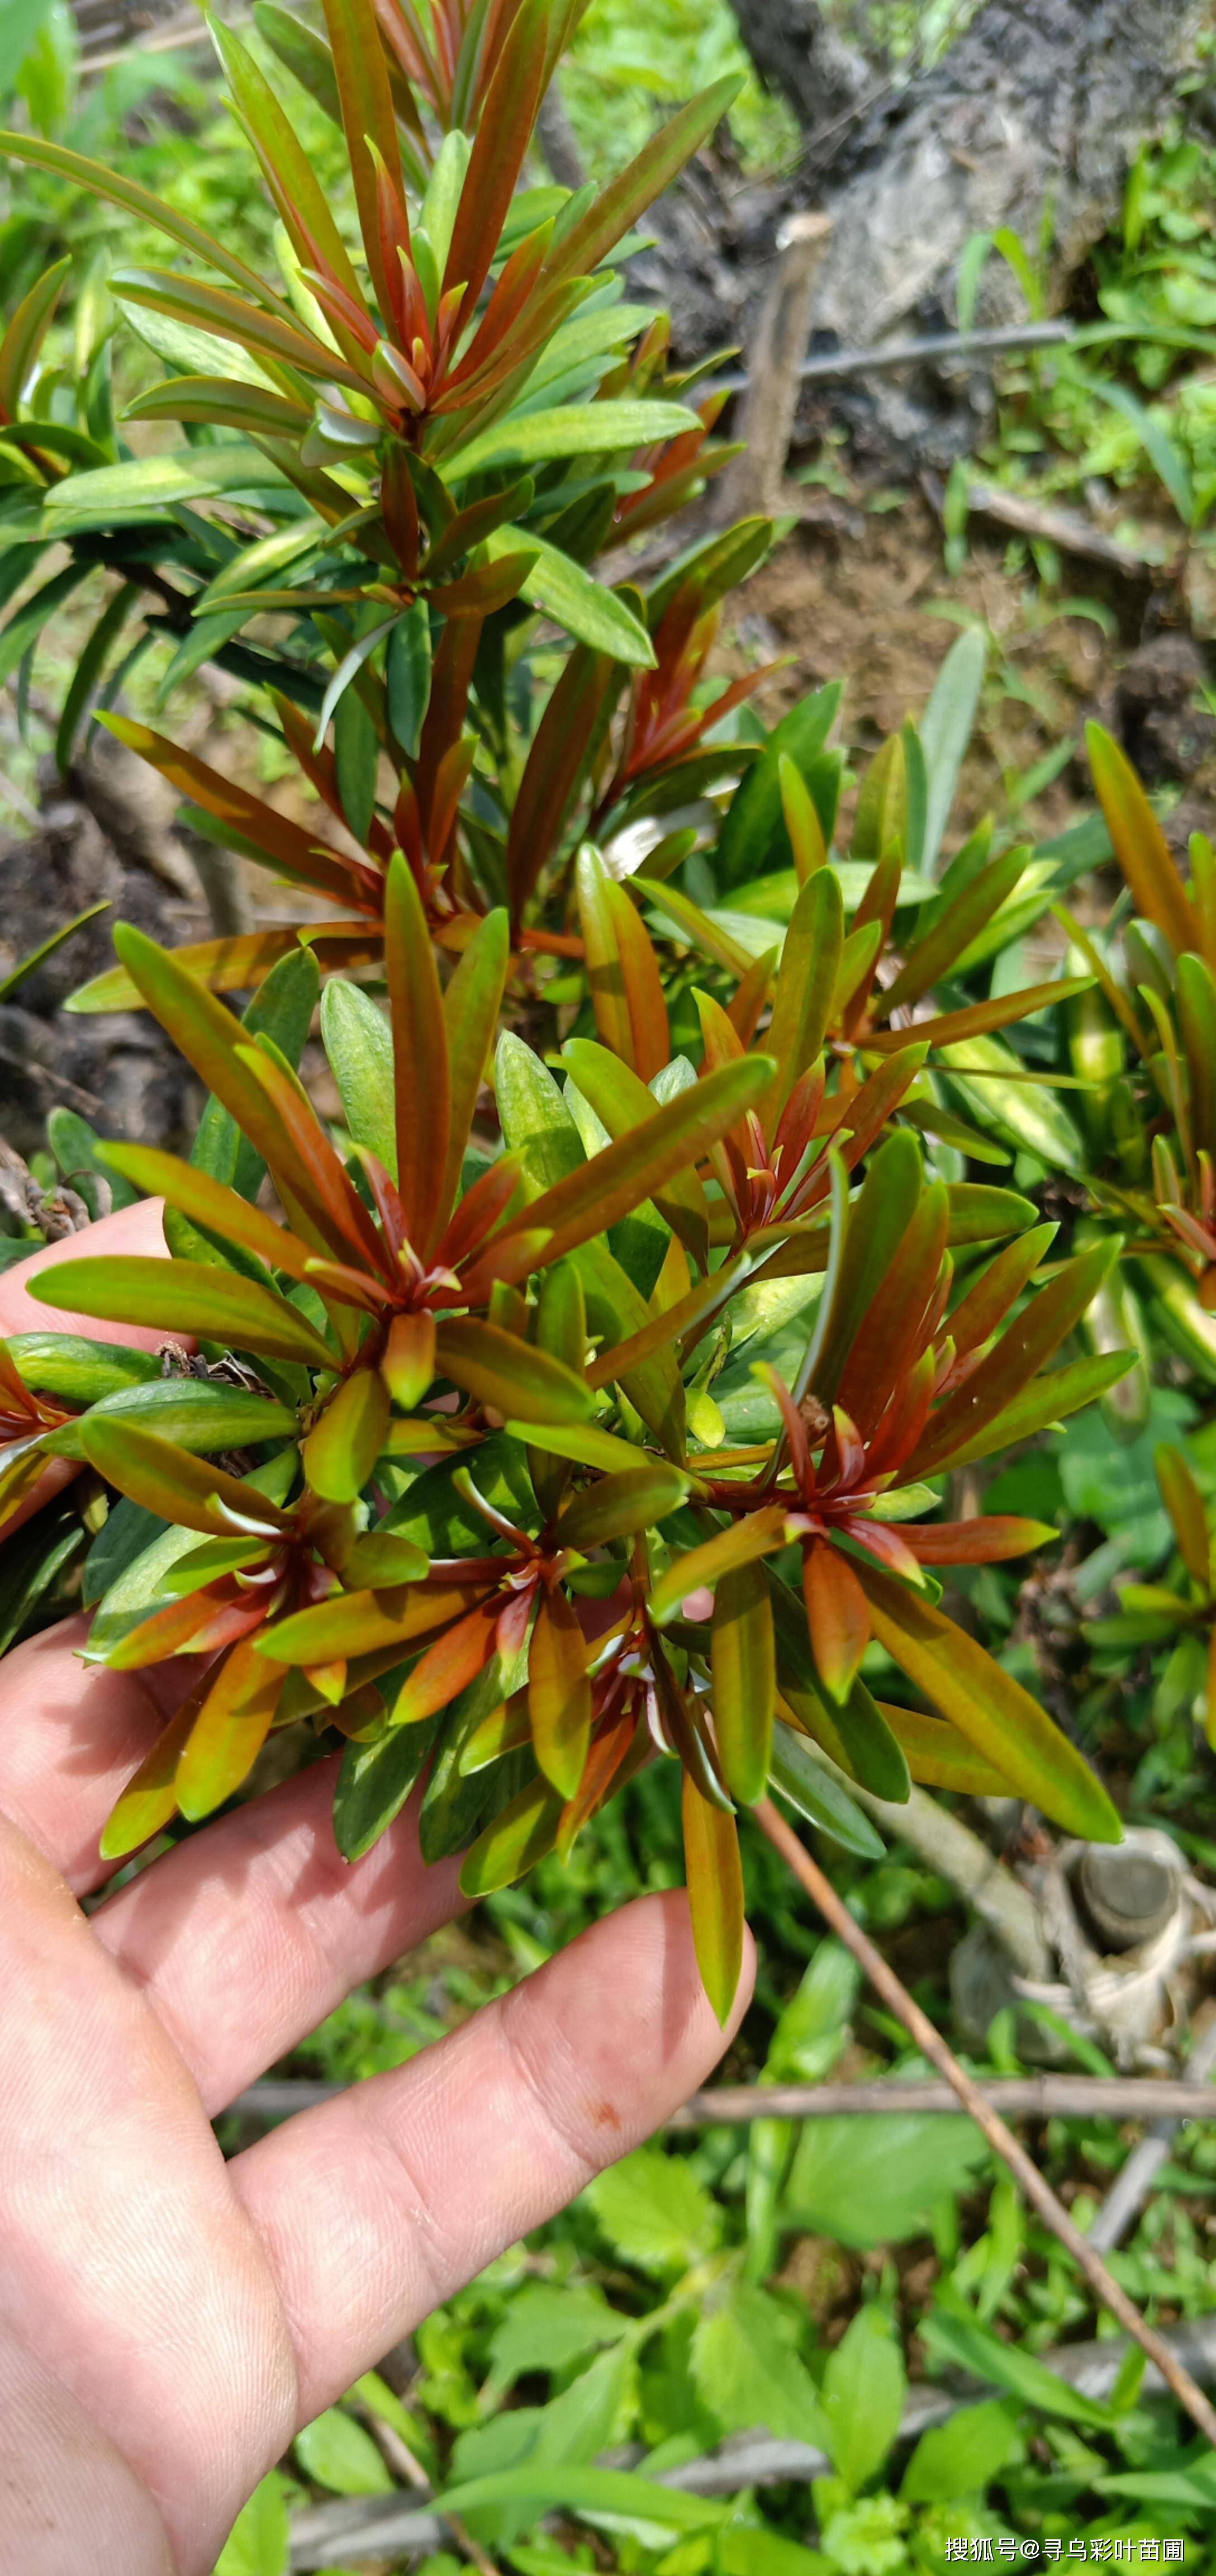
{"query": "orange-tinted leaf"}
(340, 1453)
(471, 1006)
(557, 759)
(168, 1481)
(420, 1056)
(504, 133)
(890, 1332)
(1185, 1505)
(209, 1038)
(211, 1203)
(837, 1617)
(806, 983)
(149, 1801)
(298, 855)
(310, 1170)
(559, 1693)
(368, 118)
(938, 1757)
(408, 1365)
(448, 1666)
(988, 1302)
(1140, 844)
(234, 965)
(715, 1895)
(622, 1102)
(626, 197)
(229, 1731)
(1020, 1352)
(932, 955)
(518, 1380)
(987, 1540)
(756, 1536)
(745, 1681)
(364, 1623)
(1005, 1725)
(599, 1193)
(978, 1017)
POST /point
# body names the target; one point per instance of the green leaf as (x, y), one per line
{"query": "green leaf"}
(813, 1793)
(359, 1044)
(627, 196)
(471, 1007)
(184, 1297)
(945, 731)
(548, 2325)
(198, 1415)
(875, 2180)
(339, 2454)
(342, 1449)
(754, 837)
(744, 1681)
(806, 982)
(259, 2543)
(962, 2457)
(113, 495)
(967, 2345)
(715, 1894)
(113, 184)
(634, 1499)
(864, 2384)
(407, 675)
(567, 594)
(1163, 452)
(515, 1378)
(655, 2212)
(32, 320)
(523, 1834)
(536, 1123)
(573, 429)
(605, 2495)
(25, 627)
(748, 2371)
(79, 1370)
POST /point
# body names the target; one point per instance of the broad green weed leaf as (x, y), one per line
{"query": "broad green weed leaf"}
(259, 2543)
(748, 2371)
(864, 2384)
(341, 2455)
(654, 2212)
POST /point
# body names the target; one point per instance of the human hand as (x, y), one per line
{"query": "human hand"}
(169, 2321)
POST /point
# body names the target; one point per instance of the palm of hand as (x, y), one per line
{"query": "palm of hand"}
(167, 2321)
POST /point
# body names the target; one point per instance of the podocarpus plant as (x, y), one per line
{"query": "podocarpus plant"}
(465, 1415)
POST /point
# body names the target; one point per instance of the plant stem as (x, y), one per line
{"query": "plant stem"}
(1037, 2189)
(1028, 2097)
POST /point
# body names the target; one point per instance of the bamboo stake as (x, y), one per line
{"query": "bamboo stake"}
(1037, 2189)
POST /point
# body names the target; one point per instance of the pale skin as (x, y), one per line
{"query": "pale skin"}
(169, 2321)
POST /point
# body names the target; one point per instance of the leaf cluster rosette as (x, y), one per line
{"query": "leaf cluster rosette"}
(482, 1526)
